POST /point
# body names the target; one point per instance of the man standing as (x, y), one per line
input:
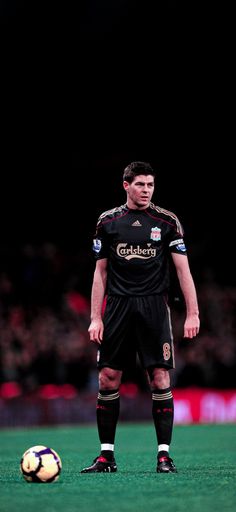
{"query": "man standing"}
(132, 246)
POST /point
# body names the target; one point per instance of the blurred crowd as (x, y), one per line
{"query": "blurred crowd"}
(44, 317)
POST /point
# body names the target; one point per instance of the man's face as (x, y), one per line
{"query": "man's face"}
(140, 191)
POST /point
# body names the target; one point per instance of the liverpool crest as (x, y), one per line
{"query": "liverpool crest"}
(155, 234)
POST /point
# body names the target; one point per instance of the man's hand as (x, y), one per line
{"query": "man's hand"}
(191, 326)
(95, 330)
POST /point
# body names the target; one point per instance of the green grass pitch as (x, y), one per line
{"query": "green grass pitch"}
(205, 456)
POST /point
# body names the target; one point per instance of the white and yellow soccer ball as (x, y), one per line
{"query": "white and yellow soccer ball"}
(40, 464)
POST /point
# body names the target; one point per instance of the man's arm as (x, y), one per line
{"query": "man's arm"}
(97, 297)
(192, 322)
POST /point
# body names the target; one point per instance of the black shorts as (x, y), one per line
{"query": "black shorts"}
(136, 325)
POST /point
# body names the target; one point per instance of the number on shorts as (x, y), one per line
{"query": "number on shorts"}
(166, 351)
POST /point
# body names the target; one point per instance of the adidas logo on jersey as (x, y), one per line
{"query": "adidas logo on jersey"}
(136, 223)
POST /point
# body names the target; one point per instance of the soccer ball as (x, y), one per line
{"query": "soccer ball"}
(40, 464)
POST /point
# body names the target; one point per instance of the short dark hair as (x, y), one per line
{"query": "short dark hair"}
(137, 168)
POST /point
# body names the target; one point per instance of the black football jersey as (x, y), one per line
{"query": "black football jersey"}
(137, 244)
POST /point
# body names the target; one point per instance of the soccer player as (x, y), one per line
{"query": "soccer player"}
(132, 247)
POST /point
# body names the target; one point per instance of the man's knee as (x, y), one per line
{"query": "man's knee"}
(109, 378)
(159, 378)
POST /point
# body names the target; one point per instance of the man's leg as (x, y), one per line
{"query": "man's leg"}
(108, 406)
(163, 416)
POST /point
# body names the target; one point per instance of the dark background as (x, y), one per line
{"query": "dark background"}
(86, 89)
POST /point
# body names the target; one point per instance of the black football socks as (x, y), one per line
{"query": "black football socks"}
(163, 414)
(108, 408)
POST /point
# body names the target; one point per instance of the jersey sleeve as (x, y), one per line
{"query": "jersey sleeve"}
(176, 243)
(100, 242)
